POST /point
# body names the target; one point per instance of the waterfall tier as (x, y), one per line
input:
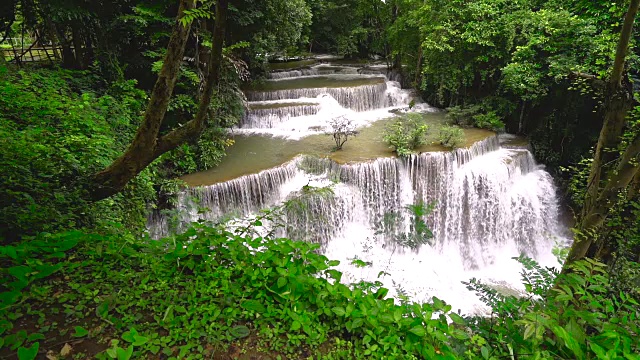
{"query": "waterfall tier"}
(269, 117)
(316, 71)
(486, 203)
(486, 200)
(481, 195)
(357, 98)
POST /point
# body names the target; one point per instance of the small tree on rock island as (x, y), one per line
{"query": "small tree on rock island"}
(341, 129)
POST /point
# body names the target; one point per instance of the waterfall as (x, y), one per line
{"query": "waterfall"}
(300, 102)
(238, 197)
(315, 71)
(268, 117)
(357, 98)
(293, 74)
(487, 202)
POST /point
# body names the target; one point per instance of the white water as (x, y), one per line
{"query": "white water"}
(362, 105)
(490, 203)
(272, 117)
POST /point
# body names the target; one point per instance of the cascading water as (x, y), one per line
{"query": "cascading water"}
(357, 98)
(322, 69)
(298, 103)
(488, 203)
(271, 115)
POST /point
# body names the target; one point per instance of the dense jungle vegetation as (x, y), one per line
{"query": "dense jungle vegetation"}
(142, 92)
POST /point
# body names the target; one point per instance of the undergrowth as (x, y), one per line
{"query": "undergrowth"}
(213, 293)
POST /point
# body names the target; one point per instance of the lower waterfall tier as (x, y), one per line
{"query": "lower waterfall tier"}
(487, 204)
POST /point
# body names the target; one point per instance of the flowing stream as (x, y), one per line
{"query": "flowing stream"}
(489, 202)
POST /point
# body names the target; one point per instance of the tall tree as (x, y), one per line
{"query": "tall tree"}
(148, 144)
(606, 183)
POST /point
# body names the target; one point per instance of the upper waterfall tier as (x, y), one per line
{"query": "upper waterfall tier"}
(270, 115)
(300, 102)
(357, 98)
(323, 69)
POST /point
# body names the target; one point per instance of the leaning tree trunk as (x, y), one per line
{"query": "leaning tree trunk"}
(147, 144)
(78, 48)
(604, 186)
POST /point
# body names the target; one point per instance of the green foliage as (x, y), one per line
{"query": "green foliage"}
(578, 176)
(451, 136)
(525, 52)
(271, 27)
(194, 14)
(199, 291)
(574, 316)
(417, 233)
(352, 28)
(476, 116)
(55, 130)
(406, 133)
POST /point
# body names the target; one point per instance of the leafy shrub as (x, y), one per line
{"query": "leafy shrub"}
(215, 287)
(54, 132)
(572, 316)
(451, 136)
(489, 121)
(483, 116)
(406, 133)
(210, 287)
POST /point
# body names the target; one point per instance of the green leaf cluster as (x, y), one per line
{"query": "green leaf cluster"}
(451, 136)
(56, 128)
(406, 133)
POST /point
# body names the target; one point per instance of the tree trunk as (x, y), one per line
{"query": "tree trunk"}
(521, 121)
(68, 58)
(147, 145)
(78, 50)
(54, 38)
(599, 199)
(139, 154)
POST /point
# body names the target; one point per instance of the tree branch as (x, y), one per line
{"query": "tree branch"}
(623, 43)
(618, 100)
(195, 127)
(628, 168)
(140, 152)
(592, 79)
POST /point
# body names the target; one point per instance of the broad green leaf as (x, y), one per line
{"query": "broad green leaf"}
(529, 331)
(124, 354)
(28, 353)
(485, 352)
(338, 310)
(80, 332)
(254, 305)
(382, 293)
(418, 330)
(457, 319)
(240, 331)
(598, 350)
